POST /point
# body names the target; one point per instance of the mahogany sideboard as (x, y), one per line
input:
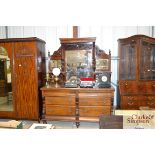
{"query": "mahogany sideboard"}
(76, 104)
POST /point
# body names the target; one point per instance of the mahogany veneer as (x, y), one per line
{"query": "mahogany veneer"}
(77, 104)
(27, 68)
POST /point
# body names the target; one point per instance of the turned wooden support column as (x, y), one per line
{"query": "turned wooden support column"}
(75, 31)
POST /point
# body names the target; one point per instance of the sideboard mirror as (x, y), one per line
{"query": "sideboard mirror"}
(79, 58)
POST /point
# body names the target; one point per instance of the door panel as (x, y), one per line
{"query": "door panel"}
(26, 80)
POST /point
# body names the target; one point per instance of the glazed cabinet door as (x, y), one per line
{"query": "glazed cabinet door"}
(147, 61)
(127, 63)
(26, 80)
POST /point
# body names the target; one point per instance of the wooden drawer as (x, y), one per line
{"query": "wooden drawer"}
(134, 102)
(129, 102)
(147, 97)
(94, 100)
(146, 87)
(138, 97)
(148, 103)
(58, 110)
(128, 87)
(60, 100)
(133, 87)
(59, 93)
(94, 111)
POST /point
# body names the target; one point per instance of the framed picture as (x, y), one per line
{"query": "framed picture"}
(41, 126)
(102, 64)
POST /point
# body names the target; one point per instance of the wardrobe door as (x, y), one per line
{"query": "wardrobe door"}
(26, 80)
(7, 104)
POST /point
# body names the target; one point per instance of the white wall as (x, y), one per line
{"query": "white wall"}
(2, 32)
(106, 37)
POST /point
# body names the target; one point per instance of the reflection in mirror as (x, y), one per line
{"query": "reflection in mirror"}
(78, 63)
(54, 64)
(6, 99)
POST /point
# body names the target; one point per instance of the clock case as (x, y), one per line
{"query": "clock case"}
(100, 83)
(100, 62)
(103, 68)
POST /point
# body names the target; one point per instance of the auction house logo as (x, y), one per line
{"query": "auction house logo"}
(143, 120)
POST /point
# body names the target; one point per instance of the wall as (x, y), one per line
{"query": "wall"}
(106, 37)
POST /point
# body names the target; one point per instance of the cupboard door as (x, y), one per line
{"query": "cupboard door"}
(127, 66)
(26, 80)
(147, 61)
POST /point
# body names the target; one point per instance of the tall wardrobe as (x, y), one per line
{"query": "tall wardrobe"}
(22, 74)
(137, 72)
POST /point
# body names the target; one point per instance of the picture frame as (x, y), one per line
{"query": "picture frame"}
(41, 126)
(102, 64)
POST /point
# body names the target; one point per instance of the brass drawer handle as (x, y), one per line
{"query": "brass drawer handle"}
(130, 103)
(49, 110)
(150, 103)
(131, 98)
(150, 98)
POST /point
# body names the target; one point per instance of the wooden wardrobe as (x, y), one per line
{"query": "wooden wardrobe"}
(27, 75)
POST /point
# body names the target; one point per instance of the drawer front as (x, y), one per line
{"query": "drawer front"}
(126, 87)
(57, 110)
(134, 102)
(94, 100)
(147, 97)
(133, 87)
(129, 102)
(60, 100)
(147, 87)
(148, 103)
(94, 111)
(58, 92)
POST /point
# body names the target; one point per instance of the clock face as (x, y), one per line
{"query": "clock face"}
(104, 78)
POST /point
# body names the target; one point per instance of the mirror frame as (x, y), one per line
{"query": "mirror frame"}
(81, 44)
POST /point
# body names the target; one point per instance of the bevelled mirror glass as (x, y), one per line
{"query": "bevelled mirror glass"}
(78, 63)
(6, 99)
